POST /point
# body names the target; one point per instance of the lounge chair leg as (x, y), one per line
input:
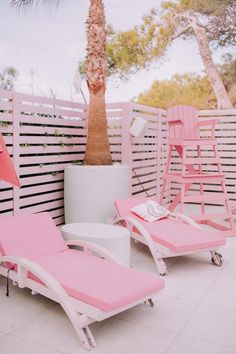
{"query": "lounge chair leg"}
(82, 334)
(90, 337)
(216, 258)
(151, 303)
(161, 266)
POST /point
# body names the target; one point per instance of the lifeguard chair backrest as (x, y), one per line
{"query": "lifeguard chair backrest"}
(189, 128)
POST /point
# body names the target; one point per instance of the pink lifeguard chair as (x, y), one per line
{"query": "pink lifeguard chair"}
(200, 165)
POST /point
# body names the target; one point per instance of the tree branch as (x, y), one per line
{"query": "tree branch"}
(180, 32)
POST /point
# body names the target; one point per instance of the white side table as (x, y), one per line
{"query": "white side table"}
(115, 239)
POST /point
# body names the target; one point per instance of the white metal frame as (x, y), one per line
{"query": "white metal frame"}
(80, 313)
(159, 251)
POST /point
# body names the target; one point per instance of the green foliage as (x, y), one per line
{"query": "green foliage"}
(228, 73)
(7, 77)
(218, 17)
(206, 7)
(188, 89)
(127, 52)
(191, 89)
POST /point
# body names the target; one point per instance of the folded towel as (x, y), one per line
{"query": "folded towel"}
(150, 211)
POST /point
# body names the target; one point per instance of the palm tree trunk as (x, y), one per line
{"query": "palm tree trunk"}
(97, 148)
(211, 70)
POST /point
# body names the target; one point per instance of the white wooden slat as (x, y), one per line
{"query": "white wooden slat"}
(29, 119)
(29, 140)
(6, 205)
(144, 155)
(24, 97)
(33, 170)
(44, 188)
(49, 149)
(6, 194)
(5, 213)
(5, 94)
(39, 129)
(6, 117)
(35, 180)
(42, 207)
(59, 220)
(144, 179)
(48, 159)
(33, 109)
(29, 200)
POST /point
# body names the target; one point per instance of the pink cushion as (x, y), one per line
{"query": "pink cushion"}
(103, 284)
(25, 235)
(175, 235)
(181, 237)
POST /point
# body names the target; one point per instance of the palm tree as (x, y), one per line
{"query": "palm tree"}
(97, 148)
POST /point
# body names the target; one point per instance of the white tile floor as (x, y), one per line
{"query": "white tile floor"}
(196, 313)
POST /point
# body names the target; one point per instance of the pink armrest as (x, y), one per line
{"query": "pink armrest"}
(211, 123)
(174, 121)
(208, 122)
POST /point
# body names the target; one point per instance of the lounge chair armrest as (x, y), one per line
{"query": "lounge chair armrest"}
(24, 265)
(186, 219)
(207, 122)
(174, 121)
(134, 223)
(89, 247)
(117, 220)
(57, 292)
(141, 229)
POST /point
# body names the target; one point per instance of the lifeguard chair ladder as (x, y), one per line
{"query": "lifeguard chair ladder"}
(184, 137)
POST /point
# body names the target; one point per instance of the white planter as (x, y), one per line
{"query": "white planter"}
(90, 191)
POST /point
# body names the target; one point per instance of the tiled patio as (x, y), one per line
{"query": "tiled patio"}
(196, 313)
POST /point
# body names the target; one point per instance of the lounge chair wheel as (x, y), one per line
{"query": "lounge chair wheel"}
(150, 302)
(217, 259)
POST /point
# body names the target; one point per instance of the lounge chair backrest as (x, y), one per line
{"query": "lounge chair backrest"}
(189, 117)
(123, 206)
(29, 235)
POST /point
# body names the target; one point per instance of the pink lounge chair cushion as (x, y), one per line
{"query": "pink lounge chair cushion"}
(27, 235)
(103, 284)
(175, 235)
(181, 237)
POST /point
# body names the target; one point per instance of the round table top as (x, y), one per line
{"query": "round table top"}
(95, 230)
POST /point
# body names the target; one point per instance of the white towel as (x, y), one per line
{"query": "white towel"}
(150, 211)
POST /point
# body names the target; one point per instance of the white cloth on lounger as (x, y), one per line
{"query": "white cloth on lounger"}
(150, 211)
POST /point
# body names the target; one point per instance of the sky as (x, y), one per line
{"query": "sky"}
(45, 45)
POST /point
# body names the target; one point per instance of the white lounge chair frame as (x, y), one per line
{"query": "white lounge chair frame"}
(80, 313)
(159, 251)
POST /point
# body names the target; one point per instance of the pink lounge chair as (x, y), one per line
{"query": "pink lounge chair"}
(34, 255)
(168, 237)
